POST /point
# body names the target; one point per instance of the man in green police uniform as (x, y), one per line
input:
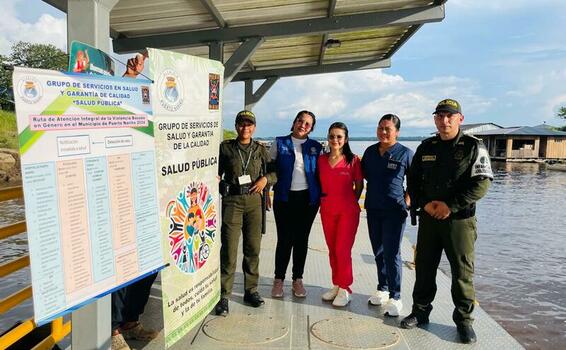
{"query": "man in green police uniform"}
(245, 169)
(449, 173)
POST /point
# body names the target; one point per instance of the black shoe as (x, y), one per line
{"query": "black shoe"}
(221, 309)
(413, 320)
(253, 299)
(467, 334)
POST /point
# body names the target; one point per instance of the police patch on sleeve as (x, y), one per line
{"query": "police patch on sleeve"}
(482, 165)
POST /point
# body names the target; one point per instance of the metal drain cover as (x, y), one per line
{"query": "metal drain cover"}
(246, 329)
(355, 333)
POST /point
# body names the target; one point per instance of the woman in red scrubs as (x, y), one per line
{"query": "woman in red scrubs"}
(341, 183)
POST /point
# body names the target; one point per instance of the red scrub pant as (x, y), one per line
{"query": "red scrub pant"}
(340, 232)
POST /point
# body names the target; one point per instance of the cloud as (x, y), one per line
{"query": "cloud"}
(47, 29)
(359, 98)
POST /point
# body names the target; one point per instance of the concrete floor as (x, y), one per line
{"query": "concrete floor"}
(309, 323)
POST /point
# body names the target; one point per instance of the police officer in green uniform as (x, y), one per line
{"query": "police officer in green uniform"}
(449, 174)
(245, 170)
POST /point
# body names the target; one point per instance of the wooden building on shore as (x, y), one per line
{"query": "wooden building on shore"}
(524, 143)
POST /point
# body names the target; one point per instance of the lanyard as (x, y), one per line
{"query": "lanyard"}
(245, 165)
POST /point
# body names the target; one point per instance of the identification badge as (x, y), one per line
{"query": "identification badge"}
(392, 165)
(244, 180)
(429, 158)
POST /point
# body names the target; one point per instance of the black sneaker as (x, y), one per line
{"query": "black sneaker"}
(253, 299)
(467, 334)
(221, 309)
(413, 320)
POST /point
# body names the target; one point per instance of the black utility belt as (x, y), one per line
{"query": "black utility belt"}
(463, 214)
(227, 189)
(236, 190)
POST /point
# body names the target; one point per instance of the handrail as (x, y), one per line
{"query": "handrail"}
(14, 192)
(14, 265)
(13, 300)
(59, 330)
(17, 333)
(13, 229)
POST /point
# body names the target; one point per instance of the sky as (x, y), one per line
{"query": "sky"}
(503, 60)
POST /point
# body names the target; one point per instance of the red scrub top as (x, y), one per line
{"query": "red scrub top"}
(337, 184)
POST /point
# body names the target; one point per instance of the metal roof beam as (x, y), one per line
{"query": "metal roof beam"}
(331, 8)
(335, 24)
(240, 57)
(326, 68)
(251, 98)
(213, 11)
(216, 51)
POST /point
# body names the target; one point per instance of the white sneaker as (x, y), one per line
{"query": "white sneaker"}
(393, 308)
(380, 298)
(342, 298)
(330, 294)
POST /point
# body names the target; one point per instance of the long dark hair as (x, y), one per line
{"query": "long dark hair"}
(310, 114)
(394, 119)
(346, 148)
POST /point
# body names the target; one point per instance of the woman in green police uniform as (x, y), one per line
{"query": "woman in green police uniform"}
(244, 171)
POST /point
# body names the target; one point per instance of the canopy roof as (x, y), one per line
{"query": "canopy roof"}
(522, 131)
(259, 39)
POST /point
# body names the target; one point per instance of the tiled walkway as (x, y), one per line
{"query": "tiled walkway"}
(309, 323)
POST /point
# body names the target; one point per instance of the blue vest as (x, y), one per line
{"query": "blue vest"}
(285, 164)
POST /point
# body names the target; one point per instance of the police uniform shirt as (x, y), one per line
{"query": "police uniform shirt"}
(233, 162)
(457, 172)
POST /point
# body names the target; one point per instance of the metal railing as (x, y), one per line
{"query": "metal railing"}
(59, 330)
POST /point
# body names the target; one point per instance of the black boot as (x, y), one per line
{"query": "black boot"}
(414, 320)
(467, 334)
(221, 309)
(253, 299)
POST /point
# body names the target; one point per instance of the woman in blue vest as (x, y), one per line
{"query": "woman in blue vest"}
(296, 201)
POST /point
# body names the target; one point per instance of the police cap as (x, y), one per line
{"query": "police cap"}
(448, 105)
(245, 115)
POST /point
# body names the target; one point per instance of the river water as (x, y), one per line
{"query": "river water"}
(520, 253)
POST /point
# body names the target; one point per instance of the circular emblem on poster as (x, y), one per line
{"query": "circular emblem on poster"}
(29, 89)
(170, 89)
(192, 227)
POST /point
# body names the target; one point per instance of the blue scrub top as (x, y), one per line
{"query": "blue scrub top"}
(385, 175)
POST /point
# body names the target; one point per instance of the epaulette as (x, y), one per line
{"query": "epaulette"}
(258, 143)
(430, 139)
(228, 142)
(476, 139)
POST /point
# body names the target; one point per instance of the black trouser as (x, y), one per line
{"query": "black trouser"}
(294, 220)
(129, 302)
(456, 237)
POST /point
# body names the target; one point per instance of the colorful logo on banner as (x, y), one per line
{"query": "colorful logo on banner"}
(170, 90)
(29, 89)
(213, 91)
(192, 227)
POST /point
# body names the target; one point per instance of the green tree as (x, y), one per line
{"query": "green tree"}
(229, 134)
(562, 114)
(26, 54)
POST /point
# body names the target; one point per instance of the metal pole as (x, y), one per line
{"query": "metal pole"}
(88, 21)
